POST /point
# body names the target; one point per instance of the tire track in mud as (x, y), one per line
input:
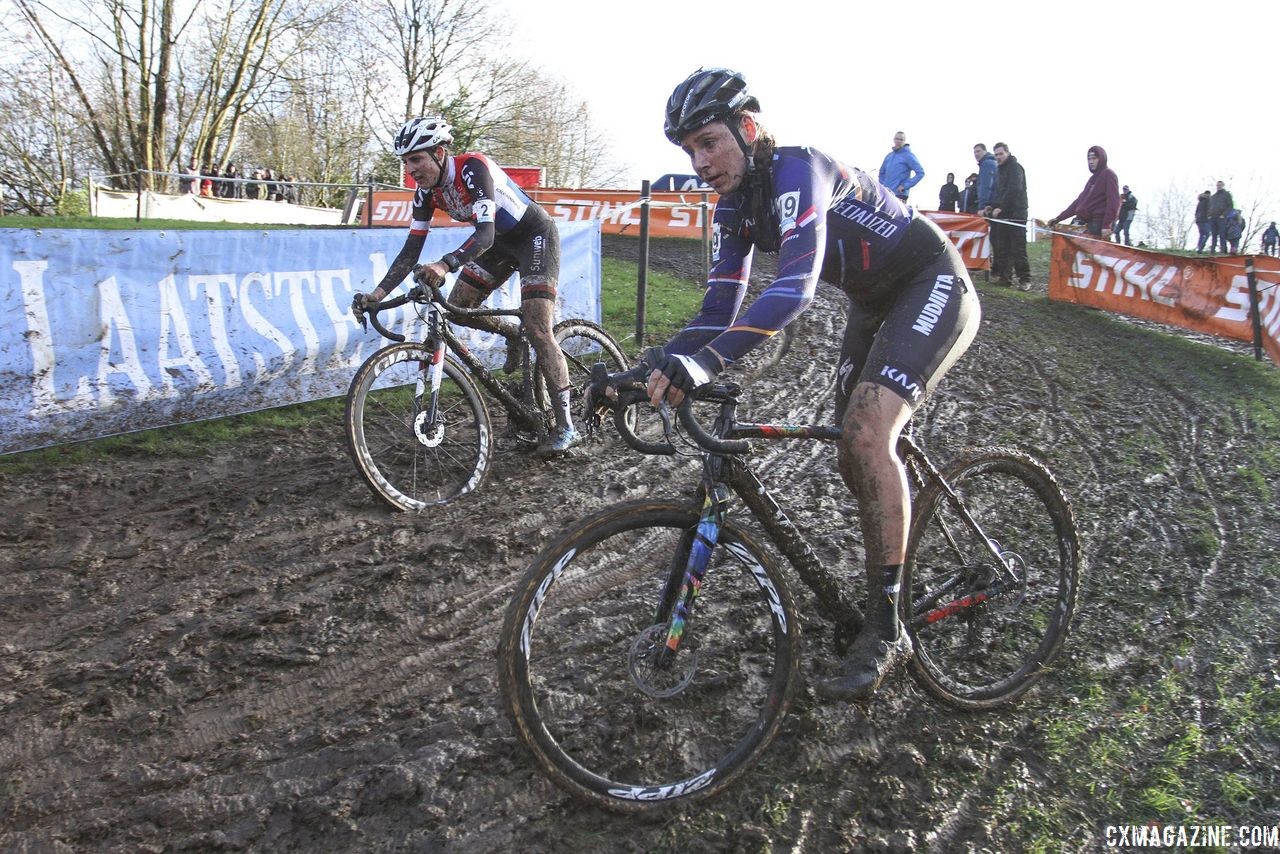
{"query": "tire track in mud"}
(271, 661)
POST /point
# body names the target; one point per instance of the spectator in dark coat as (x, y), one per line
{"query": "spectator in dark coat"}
(1009, 221)
(1220, 204)
(1202, 220)
(987, 168)
(1233, 230)
(1128, 209)
(1098, 205)
(252, 187)
(231, 189)
(949, 195)
(969, 195)
(1271, 240)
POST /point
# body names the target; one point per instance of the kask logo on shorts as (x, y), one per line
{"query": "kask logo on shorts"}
(902, 380)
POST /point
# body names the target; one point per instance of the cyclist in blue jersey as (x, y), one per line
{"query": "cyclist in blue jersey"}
(511, 233)
(913, 311)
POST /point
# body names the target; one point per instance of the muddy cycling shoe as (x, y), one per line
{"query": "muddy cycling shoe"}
(558, 442)
(870, 661)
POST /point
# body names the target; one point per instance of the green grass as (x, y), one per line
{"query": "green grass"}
(124, 223)
(669, 303)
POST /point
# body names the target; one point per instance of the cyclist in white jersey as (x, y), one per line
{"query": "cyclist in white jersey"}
(511, 233)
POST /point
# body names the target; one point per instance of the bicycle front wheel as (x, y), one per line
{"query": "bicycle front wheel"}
(991, 595)
(585, 680)
(409, 459)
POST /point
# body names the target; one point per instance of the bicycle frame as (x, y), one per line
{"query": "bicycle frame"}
(440, 335)
(725, 472)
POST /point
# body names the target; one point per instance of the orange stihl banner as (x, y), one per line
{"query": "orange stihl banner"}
(1204, 294)
(969, 232)
(670, 215)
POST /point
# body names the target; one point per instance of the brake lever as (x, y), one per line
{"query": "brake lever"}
(668, 428)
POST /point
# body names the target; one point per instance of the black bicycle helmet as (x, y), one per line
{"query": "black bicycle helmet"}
(706, 95)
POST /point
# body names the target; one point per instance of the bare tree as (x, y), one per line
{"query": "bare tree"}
(38, 141)
(139, 117)
(1170, 219)
(450, 60)
(552, 129)
(141, 85)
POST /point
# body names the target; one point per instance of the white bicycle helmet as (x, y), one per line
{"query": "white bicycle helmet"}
(421, 134)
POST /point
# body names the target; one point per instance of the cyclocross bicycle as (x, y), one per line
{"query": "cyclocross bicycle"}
(417, 425)
(650, 653)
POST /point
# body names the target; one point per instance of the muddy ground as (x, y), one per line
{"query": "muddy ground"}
(243, 651)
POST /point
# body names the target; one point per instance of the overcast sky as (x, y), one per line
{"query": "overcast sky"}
(1179, 94)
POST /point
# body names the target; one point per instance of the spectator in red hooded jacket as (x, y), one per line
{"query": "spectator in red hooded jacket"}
(1099, 203)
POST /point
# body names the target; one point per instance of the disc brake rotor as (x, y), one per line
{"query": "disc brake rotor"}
(428, 433)
(651, 668)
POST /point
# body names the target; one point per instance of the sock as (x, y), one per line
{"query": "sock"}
(562, 411)
(887, 602)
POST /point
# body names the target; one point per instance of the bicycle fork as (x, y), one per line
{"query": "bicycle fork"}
(428, 425)
(703, 542)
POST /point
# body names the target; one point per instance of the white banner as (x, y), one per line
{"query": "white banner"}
(105, 332)
(193, 208)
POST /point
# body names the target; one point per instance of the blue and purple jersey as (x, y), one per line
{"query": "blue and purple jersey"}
(835, 223)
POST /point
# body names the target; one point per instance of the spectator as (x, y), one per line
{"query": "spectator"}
(900, 170)
(252, 187)
(1128, 206)
(1202, 220)
(231, 189)
(1271, 240)
(1232, 230)
(987, 167)
(969, 195)
(1098, 205)
(273, 185)
(1009, 226)
(949, 195)
(1220, 204)
(288, 190)
(190, 180)
(206, 180)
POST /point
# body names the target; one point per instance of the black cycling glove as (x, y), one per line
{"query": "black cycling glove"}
(684, 372)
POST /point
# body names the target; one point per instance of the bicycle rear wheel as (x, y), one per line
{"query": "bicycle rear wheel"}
(985, 630)
(579, 670)
(583, 343)
(409, 461)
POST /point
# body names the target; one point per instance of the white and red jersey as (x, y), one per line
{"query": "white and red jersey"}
(474, 189)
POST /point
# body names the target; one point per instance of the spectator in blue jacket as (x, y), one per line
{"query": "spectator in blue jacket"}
(900, 170)
(987, 168)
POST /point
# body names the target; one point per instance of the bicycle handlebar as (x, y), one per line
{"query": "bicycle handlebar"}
(631, 390)
(437, 296)
(372, 311)
(418, 293)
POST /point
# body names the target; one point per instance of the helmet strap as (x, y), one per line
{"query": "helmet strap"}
(439, 165)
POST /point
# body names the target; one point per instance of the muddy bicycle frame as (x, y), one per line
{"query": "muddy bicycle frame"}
(725, 469)
(439, 313)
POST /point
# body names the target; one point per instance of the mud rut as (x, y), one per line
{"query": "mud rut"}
(243, 650)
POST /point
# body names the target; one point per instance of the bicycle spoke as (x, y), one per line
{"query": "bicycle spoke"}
(987, 625)
(610, 713)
